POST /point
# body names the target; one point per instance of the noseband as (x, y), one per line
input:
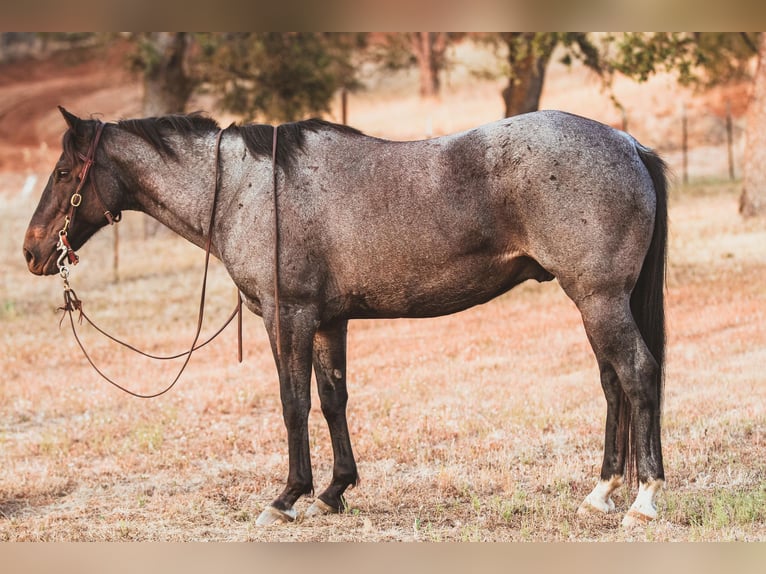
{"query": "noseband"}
(74, 202)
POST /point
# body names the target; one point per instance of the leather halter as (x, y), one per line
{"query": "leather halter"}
(89, 161)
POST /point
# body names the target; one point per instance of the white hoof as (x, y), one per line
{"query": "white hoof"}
(271, 515)
(319, 508)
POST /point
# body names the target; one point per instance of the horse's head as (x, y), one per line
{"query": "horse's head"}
(75, 200)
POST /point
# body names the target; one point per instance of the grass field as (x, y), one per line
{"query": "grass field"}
(485, 425)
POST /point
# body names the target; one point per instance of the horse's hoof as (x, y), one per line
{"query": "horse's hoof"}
(271, 515)
(592, 505)
(320, 508)
(634, 519)
(587, 509)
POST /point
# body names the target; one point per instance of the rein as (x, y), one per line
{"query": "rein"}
(277, 329)
(73, 303)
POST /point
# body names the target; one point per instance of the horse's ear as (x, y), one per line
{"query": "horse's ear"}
(71, 120)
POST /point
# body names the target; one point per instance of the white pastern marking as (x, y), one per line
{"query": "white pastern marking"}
(600, 497)
(645, 500)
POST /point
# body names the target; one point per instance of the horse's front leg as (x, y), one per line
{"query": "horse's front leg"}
(330, 369)
(297, 325)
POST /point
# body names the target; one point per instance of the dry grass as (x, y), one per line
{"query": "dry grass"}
(486, 425)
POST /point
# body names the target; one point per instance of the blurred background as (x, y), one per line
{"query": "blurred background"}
(685, 94)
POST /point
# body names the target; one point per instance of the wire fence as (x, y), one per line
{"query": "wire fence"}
(699, 144)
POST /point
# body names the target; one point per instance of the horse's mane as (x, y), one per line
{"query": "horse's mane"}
(156, 130)
(257, 137)
(291, 137)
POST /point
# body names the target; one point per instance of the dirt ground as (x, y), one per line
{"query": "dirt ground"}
(485, 425)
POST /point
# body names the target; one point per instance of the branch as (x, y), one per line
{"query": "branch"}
(748, 42)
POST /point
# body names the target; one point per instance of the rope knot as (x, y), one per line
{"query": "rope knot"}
(72, 303)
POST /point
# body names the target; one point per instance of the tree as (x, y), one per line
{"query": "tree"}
(162, 56)
(707, 59)
(429, 49)
(425, 50)
(528, 55)
(753, 198)
(280, 75)
(703, 59)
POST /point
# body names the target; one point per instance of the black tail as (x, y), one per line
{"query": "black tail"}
(647, 302)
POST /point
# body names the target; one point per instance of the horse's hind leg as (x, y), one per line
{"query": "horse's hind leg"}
(613, 466)
(620, 348)
(330, 370)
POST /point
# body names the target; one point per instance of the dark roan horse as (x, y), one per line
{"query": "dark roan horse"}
(371, 228)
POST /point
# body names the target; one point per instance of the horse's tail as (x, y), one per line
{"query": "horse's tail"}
(647, 302)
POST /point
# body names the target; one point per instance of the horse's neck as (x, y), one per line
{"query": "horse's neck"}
(177, 193)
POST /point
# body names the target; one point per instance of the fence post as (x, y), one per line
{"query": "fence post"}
(116, 254)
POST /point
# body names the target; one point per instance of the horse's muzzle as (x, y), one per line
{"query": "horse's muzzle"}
(39, 254)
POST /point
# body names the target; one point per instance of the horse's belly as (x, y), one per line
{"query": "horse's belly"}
(435, 291)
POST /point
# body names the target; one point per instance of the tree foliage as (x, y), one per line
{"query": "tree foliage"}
(163, 58)
(278, 75)
(703, 59)
(706, 59)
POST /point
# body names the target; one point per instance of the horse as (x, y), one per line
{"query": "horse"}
(318, 223)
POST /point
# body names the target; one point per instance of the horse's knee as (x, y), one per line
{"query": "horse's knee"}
(295, 413)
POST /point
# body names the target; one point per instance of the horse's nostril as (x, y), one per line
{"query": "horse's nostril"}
(28, 256)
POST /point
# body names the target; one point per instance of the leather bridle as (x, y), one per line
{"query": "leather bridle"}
(89, 161)
(73, 303)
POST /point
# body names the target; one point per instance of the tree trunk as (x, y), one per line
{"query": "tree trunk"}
(752, 202)
(429, 49)
(528, 56)
(166, 86)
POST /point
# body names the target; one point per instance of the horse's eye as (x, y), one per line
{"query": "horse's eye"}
(61, 173)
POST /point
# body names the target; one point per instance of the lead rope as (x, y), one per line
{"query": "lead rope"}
(73, 303)
(277, 328)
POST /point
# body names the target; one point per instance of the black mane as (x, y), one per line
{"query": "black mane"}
(155, 130)
(291, 137)
(257, 137)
